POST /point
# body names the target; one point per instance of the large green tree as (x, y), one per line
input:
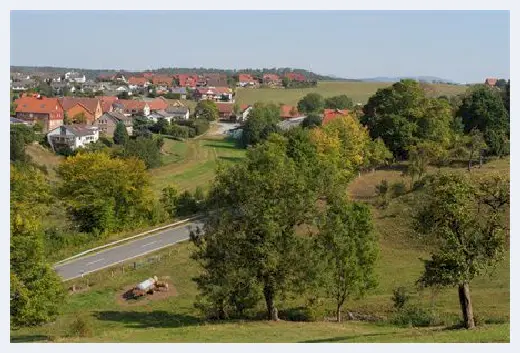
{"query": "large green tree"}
(261, 121)
(257, 205)
(483, 109)
(146, 149)
(465, 217)
(311, 103)
(402, 115)
(104, 194)
(21, 136)
(120, 134)
(36, 291)
(348, 247)
(339, 102)
(207, 110)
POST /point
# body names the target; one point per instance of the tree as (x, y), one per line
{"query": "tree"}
(207, 110)
(465, 217)
(483, 109)
(66, 119)
(475, 144)
(312, 120)
(349, 248)
(339, 102)
(311, 103)
(377, 154)
(186, 204)
(506, 96)
(146, 149)
(120, 134)
(123, 95)
(104, 194)
(256, 206)
(261, 121)
(169, 200)
(36, 291)
(21, 136)
(79, 118)
(161, 126)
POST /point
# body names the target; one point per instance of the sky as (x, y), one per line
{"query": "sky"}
(463, 46)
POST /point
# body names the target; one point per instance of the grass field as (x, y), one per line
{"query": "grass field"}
(175, 320)
(358, 91)
(192, 163)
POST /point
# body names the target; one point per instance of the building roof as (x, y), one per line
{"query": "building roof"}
(331, 114)
(116, 116)
(225, 108)
(171, 109)
(271, 77)
(295, 76)
(245, 78)
(187, 80)
(137, 81)
(106, 102)
(41, 105)
(162, 80)
(158, 104)
(130, 104)
(214, 90)
(289, 123)
(289, 111)
(90, 104)
(179, 90)
(80, 130)
(18, 121)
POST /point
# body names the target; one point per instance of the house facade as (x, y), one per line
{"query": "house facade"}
(90, 107)
(72, 136)
(178, 112)
(246, 80)
(108, 121)
(271, 80)
(46, 111)
(131, 107)
(218, 94)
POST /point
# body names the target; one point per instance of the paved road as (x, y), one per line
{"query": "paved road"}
(112, 256)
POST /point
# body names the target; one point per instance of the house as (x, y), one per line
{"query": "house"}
(75, 77)
(178, 112)
(293, 76)
(157, 104)
(58, 88)
(108, 121)
(135, 82)
(491, 81)
(271, 80)
(90, 107)
(119, 77)
(331, 114)
(131, 107)
(106, 103)
(289, 112)
(225, 111)
(290, 123)
(215, 80)
(46, 111)
(23, 84)
(213, 93)
(181, 91)
(245, 80)
(162, 80)
(245, 109)
(187, 80)
(72, 136)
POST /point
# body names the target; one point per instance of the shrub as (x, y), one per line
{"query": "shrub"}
(415, 317)
(297, 314)
(400, 297)
(81, 327)
(398, 189)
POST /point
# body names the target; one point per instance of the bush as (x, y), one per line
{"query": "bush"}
(106, 141)
(81, 327)
(297, 314)
(400, 297)
(398, 189)
(415, 317)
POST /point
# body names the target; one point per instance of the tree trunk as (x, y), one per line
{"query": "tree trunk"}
(466, 305)
(480, 161)
(338, 313)
(272, 312)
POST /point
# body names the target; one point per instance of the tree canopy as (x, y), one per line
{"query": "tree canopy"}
(311, 103)
(207, 110)
(339, 102)
(261, 121)
(120, 134)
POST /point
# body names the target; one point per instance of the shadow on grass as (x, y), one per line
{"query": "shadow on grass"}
(29, 338)
(144, 319)
(216, 145)
(231, 159)
(345, 338)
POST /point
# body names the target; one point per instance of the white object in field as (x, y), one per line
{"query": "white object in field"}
(145, 285)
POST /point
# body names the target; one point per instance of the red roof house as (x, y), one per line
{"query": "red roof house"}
(158, 104)
(331, 114)
(47, 111)
(293, 76)
(163, 80)
(137, 81)
(288, 112)
(187, 80)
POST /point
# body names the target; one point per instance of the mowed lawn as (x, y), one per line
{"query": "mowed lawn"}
(175, 319)
(192, 163)
(358, 91)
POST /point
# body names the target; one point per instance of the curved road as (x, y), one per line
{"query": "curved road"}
(135, 248)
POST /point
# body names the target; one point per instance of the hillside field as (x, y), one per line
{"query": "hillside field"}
(175, 319)
(358, 91)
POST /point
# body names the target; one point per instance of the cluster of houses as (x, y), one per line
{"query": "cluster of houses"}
(94, 116)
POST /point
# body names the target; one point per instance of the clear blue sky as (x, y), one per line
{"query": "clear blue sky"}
(465, 46)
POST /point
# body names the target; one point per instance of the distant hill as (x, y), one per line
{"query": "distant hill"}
(428, 79)
(93, 73)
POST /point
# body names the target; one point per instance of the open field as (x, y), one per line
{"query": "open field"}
(174, 319)
(192, 163)
(358, 91)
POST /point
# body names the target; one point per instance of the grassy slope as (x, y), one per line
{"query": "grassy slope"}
(44, 157)
(192, 163)
(358, 91)
(175, 319)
